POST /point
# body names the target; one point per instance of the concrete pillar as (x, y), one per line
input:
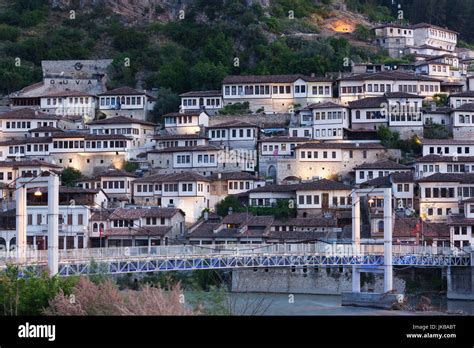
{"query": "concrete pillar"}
(21, 222)
(356, 223)
(449, 280)
(53, 224)
(387, 234)
(355, 279)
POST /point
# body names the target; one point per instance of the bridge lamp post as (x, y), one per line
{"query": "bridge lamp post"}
(51, 181)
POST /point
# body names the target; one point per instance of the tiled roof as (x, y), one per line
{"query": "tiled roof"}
(233, 176)
(233, 124)
(467, 94)
(364, 103)
(402, 95)
(427, 25)
(49, 129)
(237, 218)
(386, 181)
(448, 142)
(323, 185)
(464, 178)
(32, 163)
(186, 113)
(389, 75)
(138, 213)
(138, 231)
(184, 176)
(235, 79)
(437, 110)
(466, 107)
(179, 136)
(326, 105)
(120, 120)
(88, 136)
(27, 114)
(22, 141)
(123, 91)
(283, 138)
(186, 149)
(67, 94)
(402, 177)
(383, 165)
(214, 93)
(460, 221)
(448, 159)
(116, 173)
(306, 222)
(354, 146)
(406, 228)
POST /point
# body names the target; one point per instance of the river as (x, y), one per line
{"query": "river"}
(284, 304)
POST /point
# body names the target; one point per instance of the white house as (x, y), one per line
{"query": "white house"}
(395, 39)
(448, 147)
(463, 121)
(431, 164)
(188, 191)
(276, 93)
(370, 171)
(126, 101)
(458, 99)
(432, 35)
(185, 122)
(64, 103)
(440, 194)
(17, 123)
(141, 132)
(377, 84)
(210, 101)
(327, 121)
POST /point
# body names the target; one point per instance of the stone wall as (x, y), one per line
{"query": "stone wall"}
(323, 281)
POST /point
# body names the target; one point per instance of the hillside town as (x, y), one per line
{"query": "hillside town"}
(288, 160)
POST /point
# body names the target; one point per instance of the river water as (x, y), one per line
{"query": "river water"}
(284, 304)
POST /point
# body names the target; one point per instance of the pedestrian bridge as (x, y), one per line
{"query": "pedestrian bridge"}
(233, 256)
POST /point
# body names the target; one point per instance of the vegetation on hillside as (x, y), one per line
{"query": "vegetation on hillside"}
(213, 40)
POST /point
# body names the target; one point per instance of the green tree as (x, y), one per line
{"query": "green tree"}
(29, 293)
(284, 209)
(130, 167)
(441, 99)
(70, 176)
(362, 32)
(222, 208)
(166, 101)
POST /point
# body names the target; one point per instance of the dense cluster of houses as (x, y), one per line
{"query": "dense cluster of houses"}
(195, 158)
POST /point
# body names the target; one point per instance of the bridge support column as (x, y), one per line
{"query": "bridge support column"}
(355, 279)
(356, 223)
(53, 224)
(387, 249)
(21, 222)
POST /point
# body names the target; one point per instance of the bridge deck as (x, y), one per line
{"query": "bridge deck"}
(193, 257)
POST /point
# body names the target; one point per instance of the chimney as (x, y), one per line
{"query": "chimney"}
(36, 112)
(229, 211)
(206, 215)
(219, 176)
(433, 107)
(313, 74)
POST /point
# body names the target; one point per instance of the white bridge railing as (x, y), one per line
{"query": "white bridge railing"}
(220, 250)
